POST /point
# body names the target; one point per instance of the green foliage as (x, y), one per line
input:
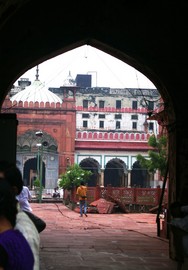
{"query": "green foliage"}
(36, 183)
(73, 176)
(157, 157)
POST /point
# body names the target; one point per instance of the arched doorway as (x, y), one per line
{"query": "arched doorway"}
(30, 172)
(115, 173)
(144, 45)
(122, 44)
(93, 166)
(139, 176)
(30, 149)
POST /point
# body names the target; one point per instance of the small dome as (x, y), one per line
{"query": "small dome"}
(69, 81)
(36, 92)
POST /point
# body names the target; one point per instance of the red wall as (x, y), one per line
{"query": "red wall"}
(59, 122)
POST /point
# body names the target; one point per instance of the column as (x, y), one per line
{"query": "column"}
(101, 183)
(129, 178)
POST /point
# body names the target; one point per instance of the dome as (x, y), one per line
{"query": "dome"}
(36, 92)
(69, 81)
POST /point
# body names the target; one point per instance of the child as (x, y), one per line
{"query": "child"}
(15, 251)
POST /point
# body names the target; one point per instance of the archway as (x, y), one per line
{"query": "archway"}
(143, 41)
(139, 176)
(93, 166)
(30, 173)
(30, 149)
(123, 44)
(115, 173)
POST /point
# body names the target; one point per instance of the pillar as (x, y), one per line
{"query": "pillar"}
(102, 178)
(129, 178)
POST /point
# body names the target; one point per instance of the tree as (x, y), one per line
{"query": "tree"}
(157, 157)
(73, 176)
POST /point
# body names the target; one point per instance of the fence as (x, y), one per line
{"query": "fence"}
(127, 196)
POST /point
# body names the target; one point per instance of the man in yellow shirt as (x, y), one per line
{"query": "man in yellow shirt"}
(82, 196)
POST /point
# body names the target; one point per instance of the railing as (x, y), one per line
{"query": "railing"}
(128, 196)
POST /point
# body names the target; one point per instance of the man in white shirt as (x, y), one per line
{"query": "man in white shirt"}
(24, 199)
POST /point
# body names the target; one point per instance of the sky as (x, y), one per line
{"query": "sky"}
(106, 70)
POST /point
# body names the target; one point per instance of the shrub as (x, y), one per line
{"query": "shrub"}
(73, 176)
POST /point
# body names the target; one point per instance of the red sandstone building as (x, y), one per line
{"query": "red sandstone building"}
(39, 109)
(101, 129)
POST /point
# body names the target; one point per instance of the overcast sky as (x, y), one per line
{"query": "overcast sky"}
(106, 70)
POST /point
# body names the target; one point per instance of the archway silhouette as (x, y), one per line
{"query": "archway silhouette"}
(128, 31)
(29, 172)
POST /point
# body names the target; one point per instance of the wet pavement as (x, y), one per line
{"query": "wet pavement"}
(100, 241)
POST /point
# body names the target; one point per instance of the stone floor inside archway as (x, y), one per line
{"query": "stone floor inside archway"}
(100, 241)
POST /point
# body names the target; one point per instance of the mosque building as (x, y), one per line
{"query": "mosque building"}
(39, 111)
(100, 128)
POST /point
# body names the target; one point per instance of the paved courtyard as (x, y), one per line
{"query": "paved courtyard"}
(100, 241)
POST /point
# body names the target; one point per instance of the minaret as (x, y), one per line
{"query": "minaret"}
(37, 73)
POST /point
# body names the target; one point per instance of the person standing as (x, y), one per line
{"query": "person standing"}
(15, 251)
(24, 199)
(82, 196)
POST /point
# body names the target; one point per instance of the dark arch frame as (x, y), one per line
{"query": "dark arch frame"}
(127, 28)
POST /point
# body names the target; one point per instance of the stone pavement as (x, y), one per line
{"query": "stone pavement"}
(100, 241)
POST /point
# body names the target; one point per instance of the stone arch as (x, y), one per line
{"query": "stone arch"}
(115, 173)
(28, 140)
(30, 172)
(92, 165)
(100, 28)
(139, 176)
(29, 154)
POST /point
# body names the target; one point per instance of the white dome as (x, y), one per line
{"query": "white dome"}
(69, 81)
(36, 92)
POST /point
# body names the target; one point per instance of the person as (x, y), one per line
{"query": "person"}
(13, 175)
(82, 196)
(11, 239)
(24, 199)
(23, 223)
(56, 193)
